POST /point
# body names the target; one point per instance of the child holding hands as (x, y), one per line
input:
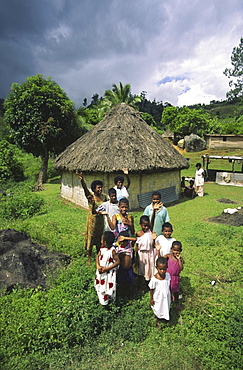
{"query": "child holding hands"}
(106, 262)
(160, 292)
(175, 266)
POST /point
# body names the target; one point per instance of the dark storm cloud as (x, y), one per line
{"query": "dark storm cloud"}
(86, 45)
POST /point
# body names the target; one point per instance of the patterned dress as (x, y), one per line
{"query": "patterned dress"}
(105, 283)
(94, 225)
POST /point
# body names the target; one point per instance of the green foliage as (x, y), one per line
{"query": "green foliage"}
(41, 118)
(185, 121)
(153, 108)
(10, 166)
(148, 119)
(236, 72)
(20, 205)
(40, 115)
(4, 129)
(121, 94)
(234, 127)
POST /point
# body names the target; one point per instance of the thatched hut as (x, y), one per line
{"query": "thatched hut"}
(121, 140)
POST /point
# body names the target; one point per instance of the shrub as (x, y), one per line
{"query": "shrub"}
(10, 166)
(22, 206)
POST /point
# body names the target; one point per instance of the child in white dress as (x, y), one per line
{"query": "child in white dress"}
(164, 242)
(160, 293)
(106, 262)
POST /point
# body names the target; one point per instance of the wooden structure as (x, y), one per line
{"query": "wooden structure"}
(223, 177)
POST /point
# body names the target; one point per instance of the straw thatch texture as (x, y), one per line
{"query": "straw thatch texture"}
(121, 140)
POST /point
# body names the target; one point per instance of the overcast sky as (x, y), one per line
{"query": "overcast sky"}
(176, 50)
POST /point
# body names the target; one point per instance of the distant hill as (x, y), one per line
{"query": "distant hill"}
(228, 112)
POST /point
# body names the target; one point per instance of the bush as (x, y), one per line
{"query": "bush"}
(22, 206)
(10, 167)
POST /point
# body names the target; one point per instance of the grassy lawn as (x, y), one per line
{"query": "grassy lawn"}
(64, 327)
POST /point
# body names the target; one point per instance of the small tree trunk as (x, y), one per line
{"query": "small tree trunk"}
(43, 172)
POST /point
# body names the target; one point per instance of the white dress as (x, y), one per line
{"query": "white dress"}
(105, 283)
(165, 244)
(162, 296)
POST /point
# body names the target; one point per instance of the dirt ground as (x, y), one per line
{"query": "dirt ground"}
(235, 219)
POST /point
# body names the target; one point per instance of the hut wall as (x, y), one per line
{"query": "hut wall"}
(71, 188)
(224, 141)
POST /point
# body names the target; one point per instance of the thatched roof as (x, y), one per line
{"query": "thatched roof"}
(121, 140)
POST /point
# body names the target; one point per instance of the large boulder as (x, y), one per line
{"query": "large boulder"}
(24, 263)
(194, 143)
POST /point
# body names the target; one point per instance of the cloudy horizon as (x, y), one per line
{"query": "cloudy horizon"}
(174, 50)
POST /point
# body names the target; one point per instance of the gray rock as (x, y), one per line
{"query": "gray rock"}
(194, 143)
(24, 263)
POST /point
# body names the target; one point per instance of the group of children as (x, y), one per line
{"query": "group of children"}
(195, 187)
(151, 252)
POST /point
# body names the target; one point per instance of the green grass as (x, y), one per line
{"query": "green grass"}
(64, 327)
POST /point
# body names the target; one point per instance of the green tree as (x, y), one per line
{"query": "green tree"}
(236, 73)
(185, 121)
(121, 94)
(148, 119)
(41, 118)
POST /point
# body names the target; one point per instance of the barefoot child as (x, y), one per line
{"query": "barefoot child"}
(163, 242)
(95, 222)
(123, 222)
(106, 261)
(145, 251)
(175, 266)
(160, 293)
(125, 274)
(157, 213)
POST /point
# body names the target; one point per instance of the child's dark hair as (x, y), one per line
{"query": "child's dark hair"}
(144, 218)
(118, 178)
(109, 237)
(111, 191)
(124, 233)
(162, 261)
(176, 242)
(95, 183)
(124, 200)
(167, 224)
(157, 193)
(198, 165)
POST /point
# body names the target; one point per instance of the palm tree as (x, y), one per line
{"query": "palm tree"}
(121, 94)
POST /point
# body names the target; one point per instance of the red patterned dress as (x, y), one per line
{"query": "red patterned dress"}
(105, 282)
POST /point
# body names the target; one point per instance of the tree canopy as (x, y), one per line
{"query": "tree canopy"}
(185, 121)
(236, 73)
(121, 94)
(41, 118)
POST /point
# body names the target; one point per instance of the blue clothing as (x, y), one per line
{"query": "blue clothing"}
(161, 216)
